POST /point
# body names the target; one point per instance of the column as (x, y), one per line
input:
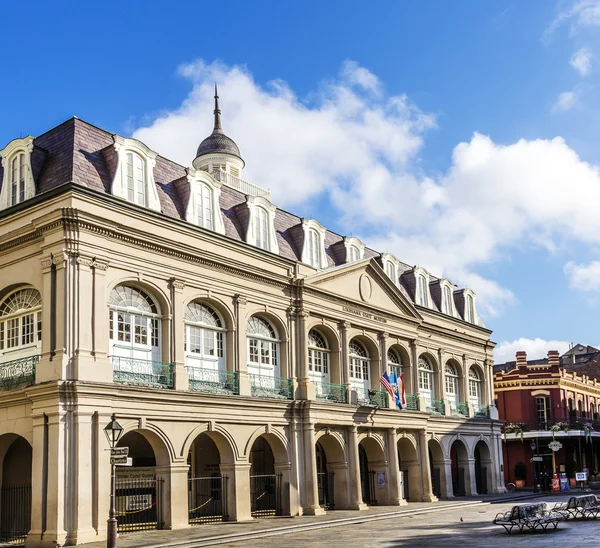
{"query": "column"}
(465, 384)
(306, 389)
(238, 490)
(395, 487)
(63, 296)
(178, 331)
(356, 501)
(345, 361)
(239, 303)
(446, 487)
(175, 511)
(38, 481)
(470, 483)
(425, 467)
(442, 383)
(311, 505)
(414, 381)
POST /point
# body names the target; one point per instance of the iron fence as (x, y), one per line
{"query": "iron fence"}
(371, 398)
(265, 495)
(213, 381)
(325, 486)
(138, 504)
(459, 409)
(553, 425)
(264, 386)
(481, 411)
(15, 513)
(142, 372)
(368, 488)
(327, 391)
(16, 374)
(437, 407)
(207, 500)
(412, 402)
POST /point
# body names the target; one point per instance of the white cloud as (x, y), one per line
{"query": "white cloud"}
(580, 14)
(361, 151)
(566, 101)
(536, 349)
(584, 277)
(581, 61)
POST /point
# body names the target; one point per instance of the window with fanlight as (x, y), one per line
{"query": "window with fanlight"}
(426, 379)
(394, 362)
(318, 356)
(452, 391)
(263, 347)
(474, 387)
(204, 337)
(20, 324)
(359, 364)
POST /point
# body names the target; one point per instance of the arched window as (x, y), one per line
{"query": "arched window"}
(261, 228)
(470, 309)
(318, 357)
(580, 408)
(474, 388)
(452, 392)
(263, 348)
(204, 338)
(21, 324)
(446, 300)
(314, 249)
(426, 384)
(359, 364)
(204, 206)
(421, 290)
(390, 270)
(394, 361)
(135, 178)
(133, 324)
(18, 174)
(354, 254)
(593, 411)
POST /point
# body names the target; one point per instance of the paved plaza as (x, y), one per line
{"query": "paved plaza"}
(449, 523)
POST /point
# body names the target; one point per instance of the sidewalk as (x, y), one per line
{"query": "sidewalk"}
(212, 534)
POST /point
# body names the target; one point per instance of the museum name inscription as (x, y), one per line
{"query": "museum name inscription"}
(365, 315)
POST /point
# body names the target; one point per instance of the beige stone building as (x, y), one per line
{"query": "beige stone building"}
(239, 346)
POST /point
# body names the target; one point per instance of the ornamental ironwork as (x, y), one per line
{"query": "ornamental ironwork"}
(142, 372)
(18, 373)
(265, 386)
(213, 381)
(330, 392)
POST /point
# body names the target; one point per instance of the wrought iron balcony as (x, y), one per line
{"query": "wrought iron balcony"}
(437, 407)
(481, 411)
(265, 386)
(553, 427)
(213, 381)
(142, 372)
(240, 184)
(336, 393)
(459, 409)
(19, 373)
(371, 398)
(412, 402)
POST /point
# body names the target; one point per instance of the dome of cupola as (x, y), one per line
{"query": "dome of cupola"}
(217, 142)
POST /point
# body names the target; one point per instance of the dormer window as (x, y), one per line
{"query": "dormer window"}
(314, 258)
(18, 184)
(389, 270)
(421, 290)
(261, 225)
(390, 266)
(355, 249)
(447, 307)
(204, 206)
(313, 251)
(134, 177)
(470, 309)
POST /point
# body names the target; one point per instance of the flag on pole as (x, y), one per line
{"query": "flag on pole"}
(385, 382)
(397, 383)
(401, 397)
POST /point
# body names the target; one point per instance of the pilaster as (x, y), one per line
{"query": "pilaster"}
(311, 488)
(178, 334)
(425, 467)
(241, 346)
(395, 487)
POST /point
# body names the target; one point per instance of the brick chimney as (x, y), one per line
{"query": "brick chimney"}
(553, 359)
(521, 356)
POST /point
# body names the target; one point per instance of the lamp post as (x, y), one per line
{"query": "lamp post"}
(533, 446)
(113, 431)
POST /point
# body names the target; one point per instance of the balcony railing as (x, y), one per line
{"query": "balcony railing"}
(553, 426)
(18, 373)
(240, 184)
(142, 372)
(336, 393)
(212, 381)
(264, 386)
(412, 402)
(371, 398)
(437, 407)
(459, 409)
(481, 411)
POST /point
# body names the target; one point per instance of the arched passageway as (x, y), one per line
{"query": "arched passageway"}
(459, 463)
(438, 471)
(15, 491)
(373, 472)
(483, 468)
(267, 482)
(411, 470)
(332, 473)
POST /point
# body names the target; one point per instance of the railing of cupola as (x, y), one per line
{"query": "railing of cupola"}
(371, 398)
(330, 392)
(265, 386)
(246, 187)
(142, 372)
(19, 373)
(212, 381)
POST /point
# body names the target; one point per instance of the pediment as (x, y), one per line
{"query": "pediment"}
(365, 283)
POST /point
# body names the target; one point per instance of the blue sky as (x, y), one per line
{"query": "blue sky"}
(461, 136)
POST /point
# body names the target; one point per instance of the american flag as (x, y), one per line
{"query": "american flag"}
(385, 381)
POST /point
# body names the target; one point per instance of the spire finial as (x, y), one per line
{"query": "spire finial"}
(217, 112)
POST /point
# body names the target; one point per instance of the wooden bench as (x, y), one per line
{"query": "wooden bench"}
(531, 516)
(583, 506)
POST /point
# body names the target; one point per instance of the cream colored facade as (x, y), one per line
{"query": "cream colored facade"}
(75, 245)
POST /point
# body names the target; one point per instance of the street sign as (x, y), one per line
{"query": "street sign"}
(536, 459)
(555, 445)
(118, 460)
(119, 451)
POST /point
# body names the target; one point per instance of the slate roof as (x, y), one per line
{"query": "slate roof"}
(76, 151)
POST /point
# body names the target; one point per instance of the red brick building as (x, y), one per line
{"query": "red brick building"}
(545, 401)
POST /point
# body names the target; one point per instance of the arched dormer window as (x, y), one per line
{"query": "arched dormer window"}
(447, 301)
(421, 290)
(203, 208)
(469, 309)
(134, 176)
(18, 184)
(261, 225)
(355, 249)
(313, 252)
(390, 266)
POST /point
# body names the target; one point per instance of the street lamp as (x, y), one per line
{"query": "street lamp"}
(533, 448)
(113, 431)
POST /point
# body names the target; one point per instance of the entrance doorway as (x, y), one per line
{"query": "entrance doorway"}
(265, 484)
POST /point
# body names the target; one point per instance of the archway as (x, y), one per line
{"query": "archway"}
(459, 463)
(437, 467)
(15, 491)
(411, 470)
(483, 468)
(373, 472)
(332, 470)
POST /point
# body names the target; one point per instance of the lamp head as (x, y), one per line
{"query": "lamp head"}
(113, 431)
